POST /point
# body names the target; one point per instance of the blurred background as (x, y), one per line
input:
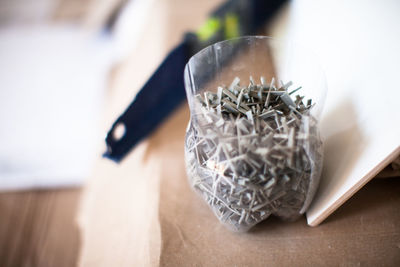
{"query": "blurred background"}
(58, 60)
(69, 68)
(55, 68)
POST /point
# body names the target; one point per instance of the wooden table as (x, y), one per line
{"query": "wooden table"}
(38, 228)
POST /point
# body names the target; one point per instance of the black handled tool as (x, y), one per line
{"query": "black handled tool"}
(164, 91)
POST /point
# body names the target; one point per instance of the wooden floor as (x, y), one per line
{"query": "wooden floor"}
(38, 228)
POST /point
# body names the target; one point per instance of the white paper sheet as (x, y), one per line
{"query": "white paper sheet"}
(52, 80)
(358, 44)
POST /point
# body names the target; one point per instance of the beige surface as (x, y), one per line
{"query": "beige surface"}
(188, 232)
(124, 198)
(358, 234)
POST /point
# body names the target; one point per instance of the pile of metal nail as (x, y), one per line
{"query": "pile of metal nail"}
(252, 151)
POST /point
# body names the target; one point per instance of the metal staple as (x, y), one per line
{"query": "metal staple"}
(253, 151)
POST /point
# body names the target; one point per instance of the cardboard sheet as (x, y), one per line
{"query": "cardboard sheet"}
(144, 213)
(360, 232)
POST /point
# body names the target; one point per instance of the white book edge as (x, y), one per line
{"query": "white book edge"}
(318, 217)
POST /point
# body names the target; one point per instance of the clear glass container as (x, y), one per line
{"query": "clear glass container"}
(261, 153)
